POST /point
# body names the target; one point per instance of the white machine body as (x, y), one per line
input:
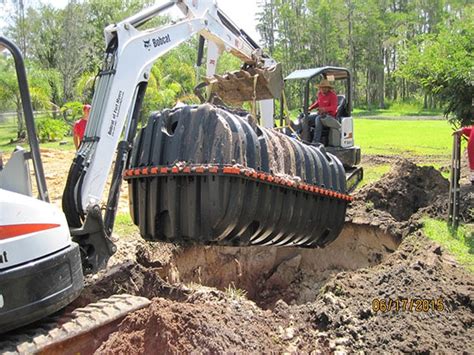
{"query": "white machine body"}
(347, 132)
(29, 229)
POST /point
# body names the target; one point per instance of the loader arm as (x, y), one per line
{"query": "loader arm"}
(119, 92)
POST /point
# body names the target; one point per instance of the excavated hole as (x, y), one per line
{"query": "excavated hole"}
(268, 274)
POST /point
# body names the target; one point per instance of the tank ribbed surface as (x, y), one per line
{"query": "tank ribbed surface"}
(298, 201)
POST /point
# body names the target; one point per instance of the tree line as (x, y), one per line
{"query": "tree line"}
(396, 49)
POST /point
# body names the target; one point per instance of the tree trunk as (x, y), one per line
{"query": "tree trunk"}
(381, 79)
(388, 88)
(20, 133)
(351, 47)
(367, 90)
(395, 86)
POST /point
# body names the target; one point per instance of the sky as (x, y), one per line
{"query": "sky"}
(241, 12)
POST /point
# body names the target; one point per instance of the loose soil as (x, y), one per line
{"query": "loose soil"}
(288, 300)
(222, 299)
(404, 190)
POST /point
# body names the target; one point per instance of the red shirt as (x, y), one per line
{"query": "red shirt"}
(467, 131)
(80, 128)
(327, 101)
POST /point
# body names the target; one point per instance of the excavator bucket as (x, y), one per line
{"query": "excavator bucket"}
(248, 84)
(207, 175)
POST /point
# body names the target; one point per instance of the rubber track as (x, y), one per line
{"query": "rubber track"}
(68, 332)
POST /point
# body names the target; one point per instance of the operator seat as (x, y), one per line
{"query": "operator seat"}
(334, 132)
(332, 135)
(341, 107)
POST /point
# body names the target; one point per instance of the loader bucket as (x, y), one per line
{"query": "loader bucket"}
(247, 85)
(206, 175)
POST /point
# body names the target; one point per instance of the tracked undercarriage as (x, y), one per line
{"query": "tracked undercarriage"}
(80, 331)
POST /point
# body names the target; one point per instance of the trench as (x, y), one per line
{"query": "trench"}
(267, 274)
(264, 275)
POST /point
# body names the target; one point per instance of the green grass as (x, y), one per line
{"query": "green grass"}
(8, 133)
(124, 225)
(55, 145)
(235, 293)
(402, 137)
(459, 243)
(398, 109)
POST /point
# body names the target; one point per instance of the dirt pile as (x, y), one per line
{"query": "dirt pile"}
(418, 300)
(439, 208)
(435, 311)
(401, 198)
(367, 293)
(129, 278)
(404, 190)
(210, 321)
(426, 298)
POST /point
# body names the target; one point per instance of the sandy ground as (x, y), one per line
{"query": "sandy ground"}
(56, 166)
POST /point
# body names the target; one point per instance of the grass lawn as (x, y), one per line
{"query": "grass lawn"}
(459, 243)
(397, 109)
(124, 225)
(373, 173)
(8, 133)
(396, 113)
(429, 142)
(403, 137)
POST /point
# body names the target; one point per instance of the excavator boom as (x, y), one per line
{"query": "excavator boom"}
(119, 92)
(280, 192)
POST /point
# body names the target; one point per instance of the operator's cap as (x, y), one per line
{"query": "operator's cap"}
(86, 108)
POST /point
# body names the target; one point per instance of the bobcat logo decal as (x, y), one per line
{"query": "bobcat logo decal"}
(147, 44)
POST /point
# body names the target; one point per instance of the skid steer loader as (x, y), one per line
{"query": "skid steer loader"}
(337, 139)
(196, 174)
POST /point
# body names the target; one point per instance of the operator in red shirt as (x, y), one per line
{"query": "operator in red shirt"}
(80, 126)
(469, 133)
(326, 104)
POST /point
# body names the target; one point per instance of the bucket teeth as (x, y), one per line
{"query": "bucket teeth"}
(240, 86)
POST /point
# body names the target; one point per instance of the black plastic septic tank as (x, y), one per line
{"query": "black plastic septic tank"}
(207, 175)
